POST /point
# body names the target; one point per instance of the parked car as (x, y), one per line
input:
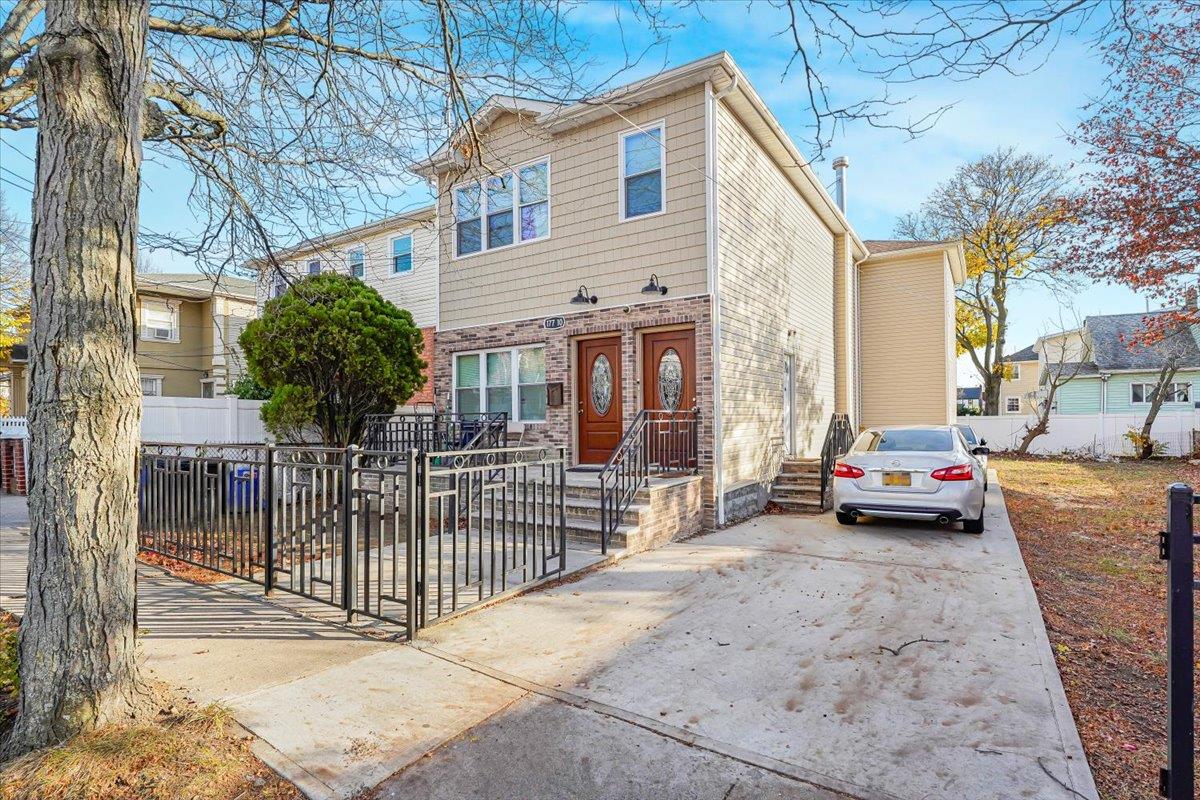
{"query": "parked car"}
(912, 472)
(973, 442)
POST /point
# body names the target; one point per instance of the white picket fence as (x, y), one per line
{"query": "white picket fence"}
(1097, 434)
(184, 419)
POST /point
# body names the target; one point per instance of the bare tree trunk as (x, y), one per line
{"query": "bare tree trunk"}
(1165, 376)
(991, 394)
(78, 662)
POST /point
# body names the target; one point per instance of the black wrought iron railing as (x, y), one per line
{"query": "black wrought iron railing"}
(435, 431)
(838, 438)
(656, 442)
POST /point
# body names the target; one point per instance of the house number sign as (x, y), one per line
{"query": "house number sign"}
(553, 323)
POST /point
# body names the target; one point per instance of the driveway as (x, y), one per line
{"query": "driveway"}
(880, 661)
(783, 657)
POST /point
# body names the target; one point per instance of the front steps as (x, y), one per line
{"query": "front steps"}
(798, 487)
(668, 508)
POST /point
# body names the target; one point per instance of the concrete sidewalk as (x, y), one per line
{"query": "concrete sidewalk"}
(753, 662)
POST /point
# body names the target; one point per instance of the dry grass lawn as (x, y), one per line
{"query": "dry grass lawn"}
(1089, 535)
(185, 752)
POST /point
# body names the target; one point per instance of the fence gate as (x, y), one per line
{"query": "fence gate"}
(1177, 781)
(410, 538)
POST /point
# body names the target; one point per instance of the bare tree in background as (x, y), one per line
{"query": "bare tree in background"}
(1063, 356)
(1006, 207)
(292, 115)
(1169, 346)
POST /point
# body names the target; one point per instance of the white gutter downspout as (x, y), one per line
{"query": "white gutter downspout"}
(714, 280)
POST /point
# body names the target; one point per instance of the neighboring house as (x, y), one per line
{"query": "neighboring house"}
(666, 246)
(1019, 389)
(187, 330)
(971, 397)
(1118, 379)
(397, 255)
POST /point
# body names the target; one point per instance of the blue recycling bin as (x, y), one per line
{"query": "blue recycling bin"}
(242, 493)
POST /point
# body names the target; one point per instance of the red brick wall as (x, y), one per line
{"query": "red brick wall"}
(12, 466)
(428, 352)
(628, 321)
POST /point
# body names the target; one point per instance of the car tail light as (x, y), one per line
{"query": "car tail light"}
(842, 470)
(959, 472)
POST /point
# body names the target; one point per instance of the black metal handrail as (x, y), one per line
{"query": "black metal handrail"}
(838, 438)
(657, 441)
(435, 431)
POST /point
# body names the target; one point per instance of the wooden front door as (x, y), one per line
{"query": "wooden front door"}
(598, 398)
(669, 384)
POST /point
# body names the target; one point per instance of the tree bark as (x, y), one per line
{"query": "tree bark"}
(77, 647)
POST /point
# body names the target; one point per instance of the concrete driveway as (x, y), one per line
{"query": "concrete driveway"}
(879, 661)
(785, 657)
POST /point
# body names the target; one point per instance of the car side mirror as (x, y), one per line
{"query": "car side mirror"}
(981, 451)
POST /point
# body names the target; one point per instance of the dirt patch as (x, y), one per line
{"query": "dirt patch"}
(1089, 535)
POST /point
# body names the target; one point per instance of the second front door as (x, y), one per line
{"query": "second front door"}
(598, 398)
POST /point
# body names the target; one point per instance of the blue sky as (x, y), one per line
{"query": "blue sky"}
(889, 175)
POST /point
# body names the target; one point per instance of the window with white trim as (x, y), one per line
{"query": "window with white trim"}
(1012, 405)
(643, 180)
(501, 210)
(160, 321)
(314, 267)
(511, 380)
(402, 254)
(1144, 393)
(1016, 372)
(356, 258)
(208, 388)
(151, 386)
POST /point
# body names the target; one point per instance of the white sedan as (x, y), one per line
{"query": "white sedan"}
(926, 472)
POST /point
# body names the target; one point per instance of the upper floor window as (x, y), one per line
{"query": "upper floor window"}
(643, 179)
(355, 258)
(1016, 372)
(314, 267)
(160, 321)
(278, 285)
(402, 254)
(502, 209)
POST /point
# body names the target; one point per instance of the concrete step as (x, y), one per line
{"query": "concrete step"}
(796, 491)
(800, 505)
(585, 531)
(586, 508)
(797, 479)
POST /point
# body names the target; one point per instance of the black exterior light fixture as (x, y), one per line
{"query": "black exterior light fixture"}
(583, 297)
(654, 287)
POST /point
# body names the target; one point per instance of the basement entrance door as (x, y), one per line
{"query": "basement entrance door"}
(598, 398)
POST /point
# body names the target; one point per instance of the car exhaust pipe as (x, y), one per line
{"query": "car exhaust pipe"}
(856, 513)
(943, 520)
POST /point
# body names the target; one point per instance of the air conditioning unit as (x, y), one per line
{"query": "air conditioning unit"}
(161, 333)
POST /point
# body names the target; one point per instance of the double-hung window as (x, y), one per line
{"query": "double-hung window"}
(503, 210)
(151, 386)
(314, 267)
(160, 321)
(643, 178)
(356, 258)
(512, 380)
(402, 254)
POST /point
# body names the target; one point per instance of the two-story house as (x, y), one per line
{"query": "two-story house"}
(666, 246)
(397, 255)
(187, 331)
(1019, 387)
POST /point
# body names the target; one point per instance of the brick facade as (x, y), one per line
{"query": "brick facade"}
(12, 467)
(630, 321)
(429, 354)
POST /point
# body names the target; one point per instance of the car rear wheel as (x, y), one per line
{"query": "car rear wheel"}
(846, 519)
(975, 525)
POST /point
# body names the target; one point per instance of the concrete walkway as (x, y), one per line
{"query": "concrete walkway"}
(754, 662)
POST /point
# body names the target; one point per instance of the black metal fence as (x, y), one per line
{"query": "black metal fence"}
(435, 431)
(1177, 781)
(372, 532)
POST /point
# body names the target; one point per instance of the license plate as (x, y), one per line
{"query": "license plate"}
(897, 479)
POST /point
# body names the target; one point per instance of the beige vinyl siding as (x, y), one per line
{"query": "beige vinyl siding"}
(415, 291)
(907, 364)
(776, 263)
(1022, 387)
(844, 322)
(587, 242)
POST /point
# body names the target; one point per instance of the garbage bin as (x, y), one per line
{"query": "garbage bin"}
(242, 492)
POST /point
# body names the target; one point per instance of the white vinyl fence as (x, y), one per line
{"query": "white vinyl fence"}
(184, 419)
(1094, 434)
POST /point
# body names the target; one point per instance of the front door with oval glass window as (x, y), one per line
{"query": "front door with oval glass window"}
(598, 398)
(669, 384)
